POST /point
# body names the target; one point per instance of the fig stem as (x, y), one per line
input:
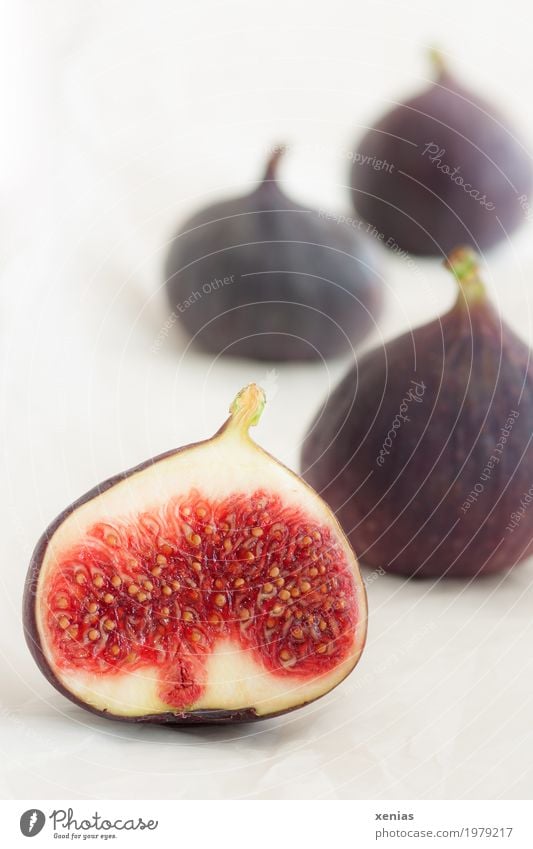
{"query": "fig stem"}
(436, 57)
(246, 408)
(464, 264)
(272, 164)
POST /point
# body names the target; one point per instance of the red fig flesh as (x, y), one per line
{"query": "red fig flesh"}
(208, 585)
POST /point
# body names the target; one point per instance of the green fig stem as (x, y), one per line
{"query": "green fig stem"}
(271, 172)
(246, 409)
(464, 264)
(438, 62)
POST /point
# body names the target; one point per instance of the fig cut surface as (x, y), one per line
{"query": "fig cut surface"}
(208, 585)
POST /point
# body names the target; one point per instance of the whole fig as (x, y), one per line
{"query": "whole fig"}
(442, 169)
(425, 451)
(263, 277)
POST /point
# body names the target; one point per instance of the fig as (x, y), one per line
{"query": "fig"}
(440, 170)
(207, 585)
(260, 276)
(424, 449)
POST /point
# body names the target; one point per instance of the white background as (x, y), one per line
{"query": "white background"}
(119, 118)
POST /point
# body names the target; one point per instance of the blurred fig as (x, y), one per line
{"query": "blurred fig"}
(263, 277)
(442, 169)
(424, 450)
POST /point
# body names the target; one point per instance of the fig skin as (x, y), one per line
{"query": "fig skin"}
(416, 204)
(245, 412)
(260, 276)
(401, 447)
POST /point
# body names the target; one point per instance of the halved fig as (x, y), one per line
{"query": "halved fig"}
(210, 584)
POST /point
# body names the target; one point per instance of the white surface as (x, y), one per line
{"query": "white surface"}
(119, 118)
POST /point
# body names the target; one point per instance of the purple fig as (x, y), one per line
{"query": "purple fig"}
(424, 450)
(442, 169)
(260, 276)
